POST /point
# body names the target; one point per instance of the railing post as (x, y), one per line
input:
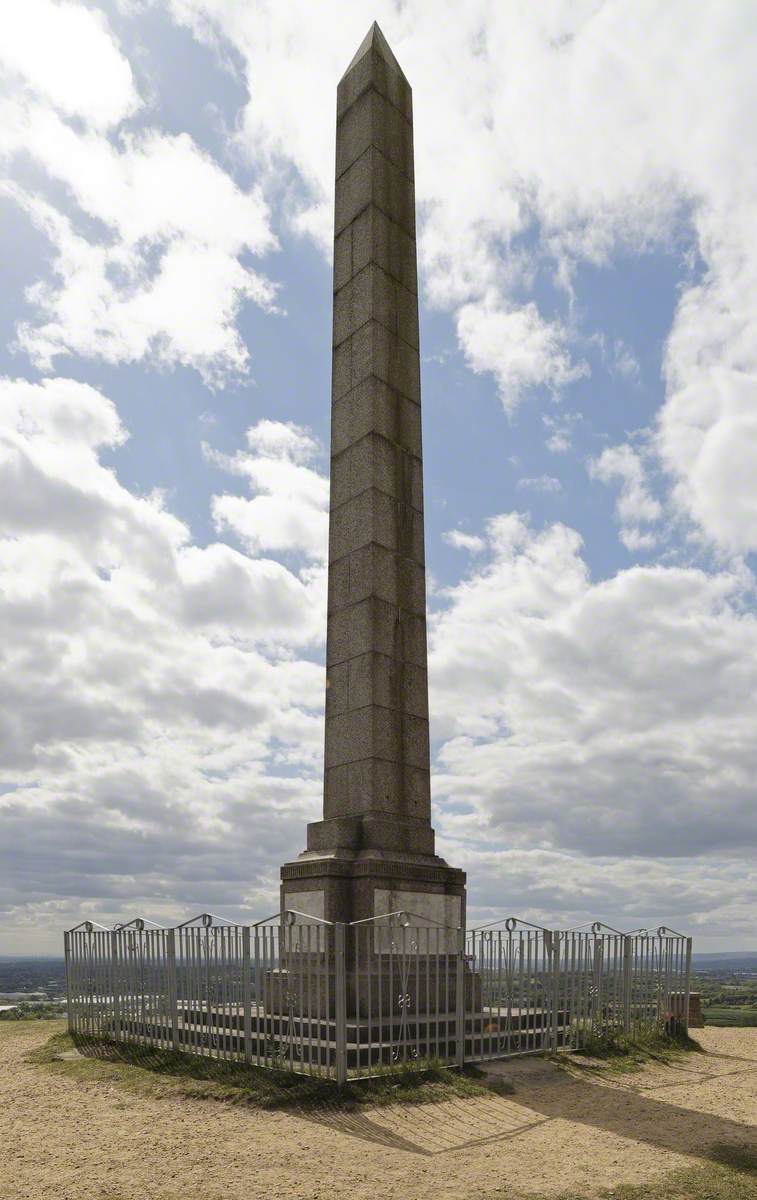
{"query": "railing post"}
(687, 987)
(114, 985)
(247, 993)
(69, 990)
(173, 991)
(627, 963)
(555, 942)
(340, 1002)
(460, 999)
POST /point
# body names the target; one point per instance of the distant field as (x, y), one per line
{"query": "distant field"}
(742, 1016)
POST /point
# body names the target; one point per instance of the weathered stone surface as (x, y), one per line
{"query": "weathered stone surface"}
(375, 626)
(376, 832)
(373, 352)
(372, 407)
(374, 461)
(374, 179)
(373, 238)
(371, 679)
(372, 570)
(372, 294)
(378, 785)
(374, 66)
(374, 516)
(373, 121)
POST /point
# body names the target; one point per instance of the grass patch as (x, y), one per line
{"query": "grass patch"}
(146, 1070)
(627, 1052)
(743, 1016)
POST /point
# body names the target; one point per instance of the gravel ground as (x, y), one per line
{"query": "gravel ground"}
(62, 1139)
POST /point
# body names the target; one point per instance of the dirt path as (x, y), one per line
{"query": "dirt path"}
(61, 1139)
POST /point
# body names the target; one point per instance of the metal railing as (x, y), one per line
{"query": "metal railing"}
(297, 993)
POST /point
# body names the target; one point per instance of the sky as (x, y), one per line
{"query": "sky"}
(587, 212)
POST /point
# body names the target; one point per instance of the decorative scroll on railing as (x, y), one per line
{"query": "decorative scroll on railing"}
(296, 993)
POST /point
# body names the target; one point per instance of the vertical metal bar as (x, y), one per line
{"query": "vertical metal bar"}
(687, 984)
(321, 939)
(460, 998)
(417, 990)
(69, 1002)
(627, 952)
(340, 1003)
(115, 986)
(369, 952)
(172, 989)
(246, 998)
(555, 986)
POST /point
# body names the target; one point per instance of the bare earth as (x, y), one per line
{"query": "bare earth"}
(61, 1139)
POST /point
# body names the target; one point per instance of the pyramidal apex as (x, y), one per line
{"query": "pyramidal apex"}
(375, 40)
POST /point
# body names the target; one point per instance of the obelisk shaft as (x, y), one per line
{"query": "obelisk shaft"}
(373, 852)
(376, 791)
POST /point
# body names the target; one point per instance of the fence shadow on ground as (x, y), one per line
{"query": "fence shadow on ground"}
(454, 1122)
(431, 1129)
(616, 1108)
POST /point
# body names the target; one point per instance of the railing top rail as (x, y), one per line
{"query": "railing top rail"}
(89, 927)
(666, 931)
(286, 913)
(207, 920)
(403, 915)
(598, 926)
(510, 924)
(138, 923)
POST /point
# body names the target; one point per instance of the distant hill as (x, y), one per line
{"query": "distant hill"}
(727, 960)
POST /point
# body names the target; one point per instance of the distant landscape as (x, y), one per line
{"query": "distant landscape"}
(727, 983)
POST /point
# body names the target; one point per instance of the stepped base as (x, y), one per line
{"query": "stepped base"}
(292, 1039)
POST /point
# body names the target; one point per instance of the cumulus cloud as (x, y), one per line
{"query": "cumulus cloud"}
(593, 717)
(275, 469)
(148, 682)
(66, 53)
(517, 346)
(636, 507)
(464, 541)
(147, 244)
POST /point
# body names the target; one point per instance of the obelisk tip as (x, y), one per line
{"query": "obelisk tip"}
(375, 40)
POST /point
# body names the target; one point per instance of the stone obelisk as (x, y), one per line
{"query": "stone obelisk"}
(373, 852)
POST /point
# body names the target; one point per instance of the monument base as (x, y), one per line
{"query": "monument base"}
(362, 885)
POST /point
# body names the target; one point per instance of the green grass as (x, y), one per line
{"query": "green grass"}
(741, 1016)
(34, 1012)
(149, 1071)
(622, 1051)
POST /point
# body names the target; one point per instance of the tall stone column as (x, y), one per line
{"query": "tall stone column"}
(374, 848)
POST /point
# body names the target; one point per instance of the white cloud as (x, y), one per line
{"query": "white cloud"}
(147, 243)
(635, 506)
(611, 720)
(464, 541)
(148, 683)
(66, 53)
(707, 429)
(289, 511)
(518, 346)
(539, 483)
